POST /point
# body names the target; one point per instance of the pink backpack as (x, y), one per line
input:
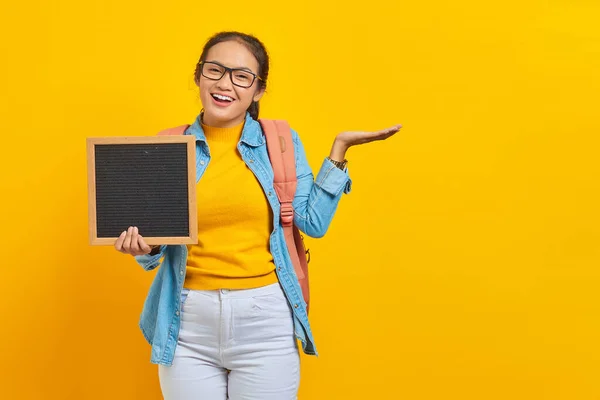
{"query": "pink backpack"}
(281, 153)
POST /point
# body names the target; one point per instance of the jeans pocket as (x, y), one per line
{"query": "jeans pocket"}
(273, 304)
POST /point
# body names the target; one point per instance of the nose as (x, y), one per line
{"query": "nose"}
(225, 81)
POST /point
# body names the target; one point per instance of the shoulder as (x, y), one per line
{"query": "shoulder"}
(174, 131)
(265, 123)
(295, 135)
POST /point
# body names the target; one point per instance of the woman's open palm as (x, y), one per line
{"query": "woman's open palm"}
(353, 138)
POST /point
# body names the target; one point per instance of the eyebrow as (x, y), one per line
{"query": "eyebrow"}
(238, 68)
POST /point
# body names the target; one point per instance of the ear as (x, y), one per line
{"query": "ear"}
(258, 95)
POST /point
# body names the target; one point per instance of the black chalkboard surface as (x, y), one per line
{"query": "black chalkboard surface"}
(148, 182)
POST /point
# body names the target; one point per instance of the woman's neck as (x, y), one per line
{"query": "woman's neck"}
(216, 123)
(223, 134)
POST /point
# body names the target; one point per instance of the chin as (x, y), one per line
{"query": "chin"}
(223, 116)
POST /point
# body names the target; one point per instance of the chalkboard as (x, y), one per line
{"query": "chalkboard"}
(148, 182)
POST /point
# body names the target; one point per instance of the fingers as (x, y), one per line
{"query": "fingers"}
(127, 242)
(120, 241)
(143, 246)
(386, 133)
(131, 242)
(391, 130)
(135, 247)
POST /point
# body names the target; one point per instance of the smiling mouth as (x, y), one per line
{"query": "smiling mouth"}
(222, 98)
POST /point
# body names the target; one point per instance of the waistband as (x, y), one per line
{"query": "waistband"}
(273, 288)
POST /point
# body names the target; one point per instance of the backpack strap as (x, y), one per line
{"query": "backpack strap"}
(283, 161)
(178, 130)
(280, 146)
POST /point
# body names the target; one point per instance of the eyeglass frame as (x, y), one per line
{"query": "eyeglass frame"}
(230, 70)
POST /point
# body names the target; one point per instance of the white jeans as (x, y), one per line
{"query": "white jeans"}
(234, 344)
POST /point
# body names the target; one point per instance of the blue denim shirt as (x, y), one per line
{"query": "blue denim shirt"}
(315, 204)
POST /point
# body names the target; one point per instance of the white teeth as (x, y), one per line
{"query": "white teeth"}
(221, 97)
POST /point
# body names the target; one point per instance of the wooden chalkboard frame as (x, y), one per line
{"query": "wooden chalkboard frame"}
(189, 140)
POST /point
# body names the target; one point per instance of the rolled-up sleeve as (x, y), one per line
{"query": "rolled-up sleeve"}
(149, 262)
(317, 199)
(332, 179)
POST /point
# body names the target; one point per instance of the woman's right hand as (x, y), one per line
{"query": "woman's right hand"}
(131, 242)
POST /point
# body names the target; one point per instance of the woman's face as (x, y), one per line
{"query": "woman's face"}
(224, 103)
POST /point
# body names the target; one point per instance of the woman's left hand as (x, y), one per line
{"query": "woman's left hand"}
(345, 140)
(353, 138)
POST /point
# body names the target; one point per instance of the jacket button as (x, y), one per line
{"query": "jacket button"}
(202, 162)
(295, 305)
(251, 161)
(176, 312)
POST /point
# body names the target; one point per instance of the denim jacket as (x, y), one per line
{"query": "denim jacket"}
(315, 204)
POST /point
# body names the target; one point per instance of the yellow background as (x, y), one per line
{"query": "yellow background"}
(464, 264)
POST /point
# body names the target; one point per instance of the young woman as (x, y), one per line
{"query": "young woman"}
(222, 316)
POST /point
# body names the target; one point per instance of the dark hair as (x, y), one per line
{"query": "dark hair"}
(257, 49)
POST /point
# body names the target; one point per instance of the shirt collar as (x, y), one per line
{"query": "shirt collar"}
(251, 133)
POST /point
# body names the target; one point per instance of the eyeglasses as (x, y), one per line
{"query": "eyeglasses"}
(239, 76)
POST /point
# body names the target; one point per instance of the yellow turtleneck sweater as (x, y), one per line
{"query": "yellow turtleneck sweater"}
(234, 221)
